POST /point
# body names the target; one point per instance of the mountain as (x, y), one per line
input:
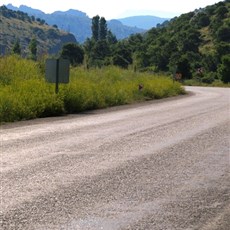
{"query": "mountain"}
(16, 25)
(77, 22)
(25, 9)
(122, 31)
(144, 22)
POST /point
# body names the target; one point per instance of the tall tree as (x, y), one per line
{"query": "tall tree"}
(95, 27)
(102, 29)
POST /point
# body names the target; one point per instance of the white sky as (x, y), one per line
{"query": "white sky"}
(116, 8)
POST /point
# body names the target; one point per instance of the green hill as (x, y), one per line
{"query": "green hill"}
(195, 44)
(16, 25)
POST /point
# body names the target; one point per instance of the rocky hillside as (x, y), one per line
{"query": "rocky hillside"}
(78, 23)
(16, 25)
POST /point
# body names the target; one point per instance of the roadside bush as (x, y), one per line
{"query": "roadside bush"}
(27, 100)
(24, 94)
(14, 68)
(160, 88)
(224, 69)
(209, 78)
(81, 95)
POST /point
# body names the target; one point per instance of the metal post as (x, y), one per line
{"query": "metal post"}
(57, 77)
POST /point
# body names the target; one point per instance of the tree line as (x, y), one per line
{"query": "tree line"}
(195, 45)
(102, 49)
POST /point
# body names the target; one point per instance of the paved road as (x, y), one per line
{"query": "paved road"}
(157, 165)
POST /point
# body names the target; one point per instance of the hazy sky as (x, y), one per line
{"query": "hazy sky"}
(116, 8)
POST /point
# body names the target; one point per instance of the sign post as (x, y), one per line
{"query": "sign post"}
(174, 69)
(57, 71)
(57, 77)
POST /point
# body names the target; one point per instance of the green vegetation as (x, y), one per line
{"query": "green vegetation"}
(24, 94)
(195, 45)
(74, 53)
(17, 48)
(33, 48)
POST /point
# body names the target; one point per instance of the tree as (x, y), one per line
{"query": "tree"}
(221, 12)
(184, 68)
(224, 69)
(17, 48)
(99, 28)
(223, 33)
(55, 26)
(111, 38)
(203, 20)
(123, 55)
(98, 48)
(222, 48)
(33, 48)
(73, 52)
(88, 46)
(135, 42)
(102, 29)
(191, 41)
(100, 51)
(210, 62)
(95, 27)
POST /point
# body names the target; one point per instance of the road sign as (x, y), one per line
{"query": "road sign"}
(57, 71)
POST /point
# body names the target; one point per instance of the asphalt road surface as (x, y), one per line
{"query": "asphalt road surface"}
(156, 165)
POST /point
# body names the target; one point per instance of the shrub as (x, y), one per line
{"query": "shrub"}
(24, 94)
(224, 69)
(209, 78)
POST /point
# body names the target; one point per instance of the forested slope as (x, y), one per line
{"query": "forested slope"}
(196, 44)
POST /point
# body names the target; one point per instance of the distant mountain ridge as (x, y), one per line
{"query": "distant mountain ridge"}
(79, 24)
(145, 22)
(16, 25)
(25, 9)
